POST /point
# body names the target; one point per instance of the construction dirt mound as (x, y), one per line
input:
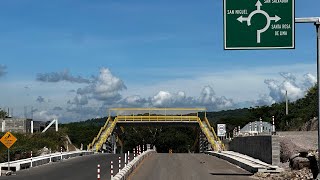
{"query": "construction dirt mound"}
(293, 142)
(311, 125)
(287, 149)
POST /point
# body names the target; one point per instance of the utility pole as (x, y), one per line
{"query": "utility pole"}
(316, 22)
(287, 108)
(261, 126)
(273, 131)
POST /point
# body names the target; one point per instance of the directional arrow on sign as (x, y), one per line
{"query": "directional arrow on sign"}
(258, 4)
(275, 18)
(259, 11)
(241, 19)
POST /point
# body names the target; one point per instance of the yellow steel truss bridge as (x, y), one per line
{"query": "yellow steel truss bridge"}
(155, 115)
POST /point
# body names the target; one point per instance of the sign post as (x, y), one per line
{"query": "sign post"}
(8, 159)
(8, 140)
(259, 24)
(318, 70)
(316, 22)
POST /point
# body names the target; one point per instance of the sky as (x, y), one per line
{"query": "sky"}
(74, 59)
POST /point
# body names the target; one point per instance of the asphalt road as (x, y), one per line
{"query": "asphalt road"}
(79, 168)
(187, 167)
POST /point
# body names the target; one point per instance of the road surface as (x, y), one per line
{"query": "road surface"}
(79, 168)
(187, 167)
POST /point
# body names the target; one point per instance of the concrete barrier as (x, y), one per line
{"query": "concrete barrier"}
(264, 147)
(41, 160)
(126, 171)
(246, 162)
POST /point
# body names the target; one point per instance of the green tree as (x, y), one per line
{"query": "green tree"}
(3, 113)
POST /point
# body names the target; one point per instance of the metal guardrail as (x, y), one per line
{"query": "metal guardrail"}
(214, 134)
(156, 118)
(105, 136)
(40, 160)
(90, 146)
(205, 130)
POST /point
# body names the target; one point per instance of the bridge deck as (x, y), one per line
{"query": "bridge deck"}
(187, 166)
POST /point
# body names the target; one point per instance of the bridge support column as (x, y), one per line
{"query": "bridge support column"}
(203, 142)
(113, 144)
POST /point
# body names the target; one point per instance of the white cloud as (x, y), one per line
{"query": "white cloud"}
(207, 98)
(296, 89)
(2, 70)
(81, 107)
(65, 75)
(163, 98)
(214, 90)
(213, 102)
(263, 99)
(45, 115)
(134, 100)
(40, 99)
(106, 87)
(207, 95)
(168, 99)
(79, 100)
(240, 84)
(309, 80)
(57, 108)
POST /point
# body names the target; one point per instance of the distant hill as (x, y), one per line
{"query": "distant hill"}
(300, 112)
(233, 118)
(84, 131)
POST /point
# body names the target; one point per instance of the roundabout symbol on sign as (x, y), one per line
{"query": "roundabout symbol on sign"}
(259, 11)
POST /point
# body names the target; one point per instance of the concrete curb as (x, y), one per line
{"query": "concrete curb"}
(248, 164)
(126, 171)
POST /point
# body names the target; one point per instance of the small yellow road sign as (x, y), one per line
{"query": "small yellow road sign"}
(8, 140)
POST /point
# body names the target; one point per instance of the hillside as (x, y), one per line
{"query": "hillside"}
(84, 131)
(300, 113)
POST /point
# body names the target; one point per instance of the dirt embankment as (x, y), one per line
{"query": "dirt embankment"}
(311, 125)
(292, 142)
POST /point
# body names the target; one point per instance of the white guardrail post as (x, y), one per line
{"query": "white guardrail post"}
(50, 157)
(119, 163)
(111, 169)
(98, 172)
(134, 153)
(125, 159)
(128, 157)
(31, 159)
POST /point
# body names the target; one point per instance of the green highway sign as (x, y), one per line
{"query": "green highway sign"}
(259, 24)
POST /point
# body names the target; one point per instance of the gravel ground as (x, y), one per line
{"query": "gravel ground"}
(304, 139)
(292, 142)
(303, 174)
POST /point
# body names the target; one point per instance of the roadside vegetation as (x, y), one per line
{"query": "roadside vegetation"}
(300, 112)
(32, 142)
